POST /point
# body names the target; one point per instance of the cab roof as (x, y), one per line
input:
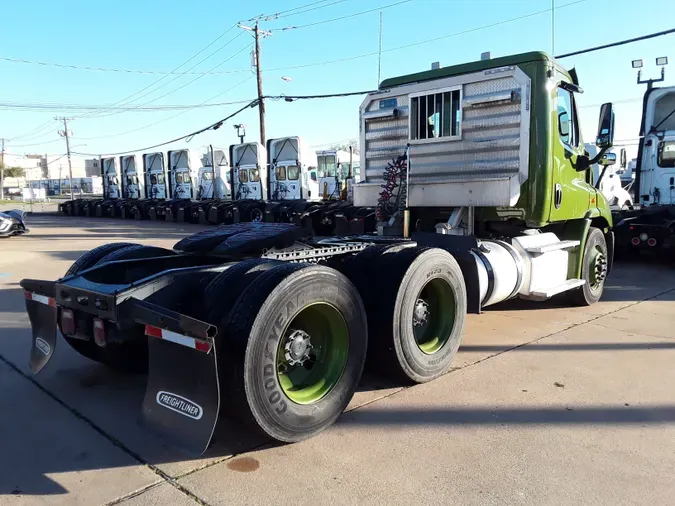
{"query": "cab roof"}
(467, 68)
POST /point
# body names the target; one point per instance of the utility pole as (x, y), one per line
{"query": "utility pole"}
(257, 33)
(261, 100)
(66, 134)
(2, 171)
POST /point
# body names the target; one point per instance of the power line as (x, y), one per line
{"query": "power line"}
(34, 131)
(176, 115)
(179, 88)
(619, 43)
(435, 39)
(35, 144)
(214, 126)
(110, 69)
(39, 107)
(219, 123)
(343, 17)
(289, 12)
(127, 99)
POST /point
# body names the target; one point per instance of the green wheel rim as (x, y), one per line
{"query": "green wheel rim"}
(434, 315)
(312, 353)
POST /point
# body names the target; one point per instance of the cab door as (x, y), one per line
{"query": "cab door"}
(572, 194)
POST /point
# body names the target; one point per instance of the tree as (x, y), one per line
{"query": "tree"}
(14, 172)
(345, 146)
(8, 172)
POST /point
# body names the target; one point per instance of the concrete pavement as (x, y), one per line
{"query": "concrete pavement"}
(548, 405)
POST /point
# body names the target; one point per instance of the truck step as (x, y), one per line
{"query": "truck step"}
(547, 293)
(556, 246)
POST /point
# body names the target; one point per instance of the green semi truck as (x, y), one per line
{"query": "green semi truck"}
(483, 193)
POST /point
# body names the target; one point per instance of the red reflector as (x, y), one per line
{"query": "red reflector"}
(631, 227)
(635, 241)
(153, 331)
(202, 346)
(99, 332)
(651, 242)
(67, 322)
(28, 295)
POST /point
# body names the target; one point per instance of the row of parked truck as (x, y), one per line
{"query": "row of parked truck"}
(278, 182)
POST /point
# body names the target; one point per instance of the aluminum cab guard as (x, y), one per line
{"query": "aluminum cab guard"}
(182, 396)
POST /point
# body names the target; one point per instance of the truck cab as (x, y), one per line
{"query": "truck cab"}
(608, 180)
(214, 182)
(132, 179)
(155, 175)
(249, 174)
(286, 169)
(333, 166)
(111, 179)
(181, 173)
(657, 161)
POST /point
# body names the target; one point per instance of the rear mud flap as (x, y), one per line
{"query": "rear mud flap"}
(182, 397)
(42, 314)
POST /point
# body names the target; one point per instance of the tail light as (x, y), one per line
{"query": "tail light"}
(99, 332)
(651, 242)
(635, 241)
(67, 322)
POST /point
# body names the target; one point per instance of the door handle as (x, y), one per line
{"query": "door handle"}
(558, 195)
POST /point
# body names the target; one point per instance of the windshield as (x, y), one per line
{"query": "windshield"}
(243, 176)
(293, 172)
(129, 164)
(280, 173)
(666, 156)
(207, 176)
(255, 175)
(326, 166)
(179, 159)
(109, 165)
(179, 178)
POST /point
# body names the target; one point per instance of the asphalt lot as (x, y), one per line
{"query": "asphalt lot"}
(548, 405)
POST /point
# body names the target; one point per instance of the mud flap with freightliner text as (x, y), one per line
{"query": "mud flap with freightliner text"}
(182, 395)
(42, 312)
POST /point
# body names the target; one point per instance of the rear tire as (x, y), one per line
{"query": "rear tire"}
(416, 301)
(593, 270)
(277, 384)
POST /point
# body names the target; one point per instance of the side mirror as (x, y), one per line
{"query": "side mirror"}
(622, 163)
(607, 159)
(605, 137)
(309, 193)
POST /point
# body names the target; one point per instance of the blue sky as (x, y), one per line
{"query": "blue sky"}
(159, 36)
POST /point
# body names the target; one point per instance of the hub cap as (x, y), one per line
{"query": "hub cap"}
(312, 353)
(297, 348)
(598, 271)
(433, 317)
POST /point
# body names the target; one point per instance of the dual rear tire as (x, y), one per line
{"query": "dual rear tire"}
(293, 338)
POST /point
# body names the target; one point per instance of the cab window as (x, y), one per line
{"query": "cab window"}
(293, 172)
(243, 176)
(568, 128)
(280, 173)
(207, 176)
(255, 175)
(179, 178)
(666, 154)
